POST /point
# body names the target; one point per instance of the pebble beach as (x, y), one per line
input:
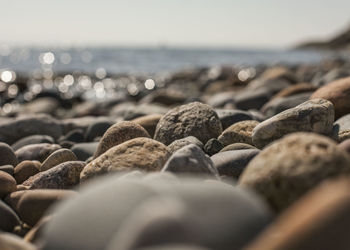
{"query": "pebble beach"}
(205, 158)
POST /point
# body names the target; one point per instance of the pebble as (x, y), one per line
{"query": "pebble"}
(288, 168)
(75, 135)
(140, 153)
(97, 129)
(63, 176)
(343, 123)
(26, 169)
(337, 92)
(119, 133)
(83, 151)
(190, 160)
(229, 117)
(252, 99)
(238, 132)
(156, 212)
(57, 157)
(7, 155)
(8, 218)
(315, 115)
(345, 145)
(212, 146)
(148, 122)
(7, 184)
(295, 89)
(237, 146)
(35, 234)
(36, 152)
(196, 119)
(12, 242)
(177, 144)
(232, 163)
(8, 169)
(32, 139)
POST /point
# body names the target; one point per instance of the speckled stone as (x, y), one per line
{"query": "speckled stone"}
(288, 168)
(119, 133)
(58, 157)
(238, 132)
(196, 119)
(315, 115)
(237, 146)
(213, 146)
(140, 153)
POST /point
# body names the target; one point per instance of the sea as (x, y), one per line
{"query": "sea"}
(117, 60)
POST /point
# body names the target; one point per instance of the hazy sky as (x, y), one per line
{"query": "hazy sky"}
(227, 23)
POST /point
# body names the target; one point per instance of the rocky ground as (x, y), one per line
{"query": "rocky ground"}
(212, 158)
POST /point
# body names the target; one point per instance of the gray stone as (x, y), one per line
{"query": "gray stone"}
(229, 117)
(343, 123)
(32, 139)
(97, 129)
(8, 169)
(213, 146)
(177, 144)
(36, 152)
(84, 150)
(8, 218)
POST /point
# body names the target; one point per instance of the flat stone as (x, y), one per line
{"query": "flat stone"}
(232, 163)
(238, 132)
(84, 150)
(177, 144)
(140, 153)
(8, 169)
(7, 155)
(26, 169)
(190, 160)
(8, 218)
(288, 168)
(315, 115)
(237, 146)
(63, 176)
(36, 152)
(58, 157)
(7, 184)
(32, 139)
(119, 133)
(193, 119)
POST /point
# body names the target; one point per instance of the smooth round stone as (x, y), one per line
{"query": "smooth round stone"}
(31, 205)
(32, 139)
(119, 133)
(279, 104)
(76, 135)
(337, 92)
(319, 220)
(148, 122)
(221, 99)
(26, 169)
(252, 99)
(66, 144)
(8, 169)
(63, 176)
(15, 129)
(7, 155)
(295, 89)
(193, 119)
(160, 211)
(190, 160)
(238, 132)
(343, 123)
(83, 123)
(12, 242)
(83, 151)
(140, 153)
(213, 146)
(177, 144)
(36, 152)
(229, 117)
(315, 115)
(8, 218)
(232, 163)
(58, 157)
(237, 146)
(7, 184)
(166, 97)
(288, 168)
(97, 129)
(345, 145)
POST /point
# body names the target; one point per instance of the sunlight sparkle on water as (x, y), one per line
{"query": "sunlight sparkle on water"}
(149, 84)
(8, 76)
(47, 58)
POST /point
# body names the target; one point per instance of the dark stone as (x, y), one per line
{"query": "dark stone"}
(84, 150)
(32, 139)
(213, 146)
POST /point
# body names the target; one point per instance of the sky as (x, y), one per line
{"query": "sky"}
(173, 23)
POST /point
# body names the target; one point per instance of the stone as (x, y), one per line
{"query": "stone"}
(166, 97)
(148, 122)
(193, 119)
(238, 132)
(26, 169)
(12, 242)
(42, 105)
(229, 117)
(315, 115)
(288, 168)
(343, 123)
(324, 223)
(13, 130)
(140, 153)
(221, 99)
(8, 169)
(7, 155)
(345, 145)
(32, 139)
(295, 89)
(35, 234)
(252, 99)
(31, 205)
(232, 163)
(97, 129)
(177, 144)
(84, 150)
(337, 92)
(158, 210)
(63, 176)
(75, 135)
(58, 157)
(8, 218)
(213, 146)
(237, 146)
(7, 184)
(119, 133)
(190, 160)
(343, 135)
(36, 152)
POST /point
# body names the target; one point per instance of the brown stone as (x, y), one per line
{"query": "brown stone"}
(7, 184)
(148, 122)
(12, 242)
(7, 156)
(37, 152)
(57, 157)
(338, 92)
(238, 132)
(26, 169)
(295, 89)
